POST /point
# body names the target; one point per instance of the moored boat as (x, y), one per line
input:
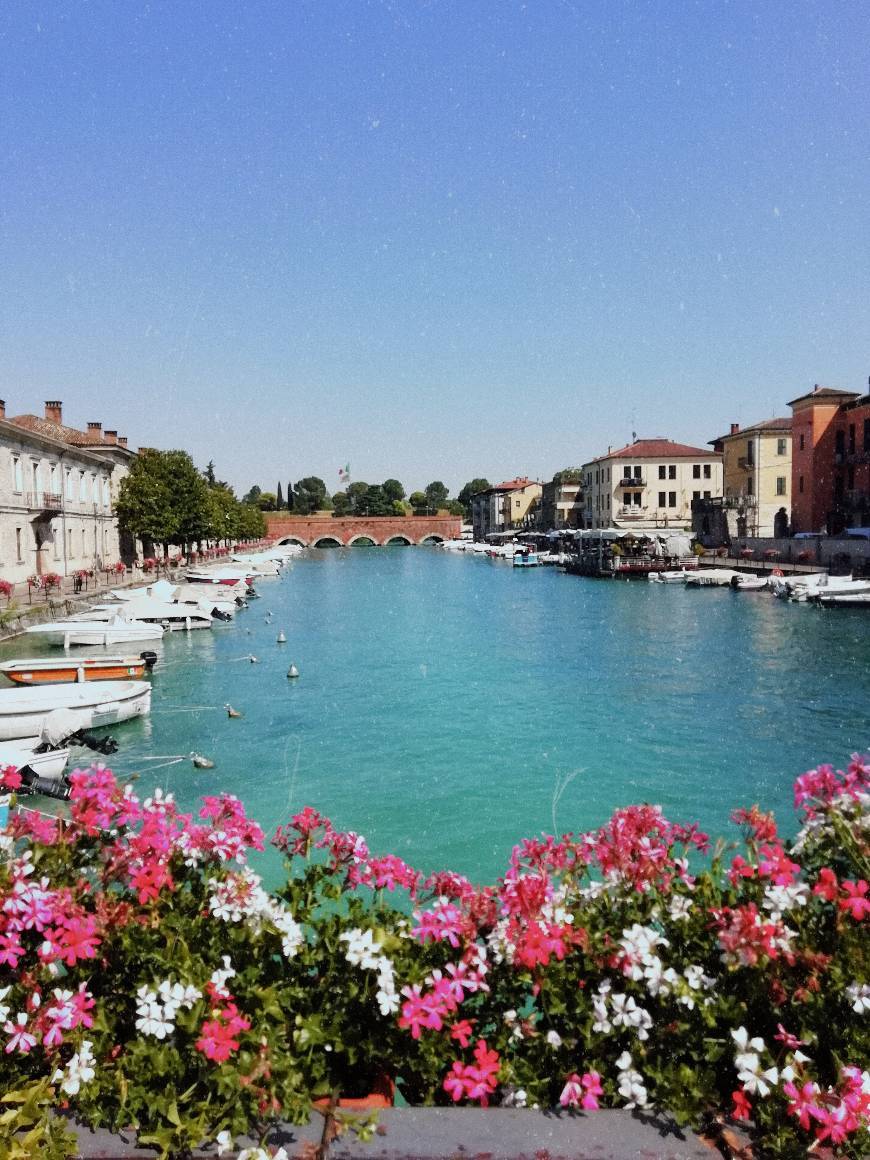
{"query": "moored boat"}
(95, 703)
(107, 633)
(22, 752)
(48, 671)
(711, 577)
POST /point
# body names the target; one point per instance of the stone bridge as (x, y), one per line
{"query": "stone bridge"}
(323, 531)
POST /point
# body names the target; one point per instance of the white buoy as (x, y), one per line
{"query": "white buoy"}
(252, 659)
(282, 639)
(292, 671)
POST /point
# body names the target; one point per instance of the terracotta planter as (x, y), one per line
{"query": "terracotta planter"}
(382, 1095)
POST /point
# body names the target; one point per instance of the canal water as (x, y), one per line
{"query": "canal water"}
(449, 705)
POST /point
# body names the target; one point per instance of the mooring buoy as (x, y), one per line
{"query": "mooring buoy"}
(281, 639)
(292, 671)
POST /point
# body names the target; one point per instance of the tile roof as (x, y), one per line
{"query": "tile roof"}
(655, 449)
(62, 433)
(825, 394)
(764, 425)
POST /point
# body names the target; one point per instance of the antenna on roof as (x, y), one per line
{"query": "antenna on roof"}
(633, 425)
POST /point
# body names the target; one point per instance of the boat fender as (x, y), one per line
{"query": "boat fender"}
(777, 572)
(292, 672)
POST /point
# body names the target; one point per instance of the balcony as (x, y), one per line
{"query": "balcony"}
(631, 512)
(746, 463)
(631, 481)
(48, 503)
(737, 503)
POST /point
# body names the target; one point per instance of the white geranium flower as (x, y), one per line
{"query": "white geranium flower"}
(554, 1039)
(857, 994)
(362, 950)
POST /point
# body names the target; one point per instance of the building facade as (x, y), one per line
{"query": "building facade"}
(830, 461)
(649, 484)
(561, 505)
(509, 506)
(819, 457)
(58, 487)
(757, 485)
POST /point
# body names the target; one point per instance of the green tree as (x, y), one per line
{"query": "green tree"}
(164, 499)
(223, 514)
(252, 496)
(471, 488)
(266, 501)
(356, 493)
(419, 501)
(310, 495)
(568, 475)
(393, 489)
(341, 505)
(279, 499)
(251, 522)
(436, 495)
(289, 497)
(376, 502)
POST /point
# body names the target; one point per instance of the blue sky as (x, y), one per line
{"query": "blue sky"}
(431, 240)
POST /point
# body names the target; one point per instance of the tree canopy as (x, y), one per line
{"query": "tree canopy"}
(310, 495)
(568, 475)
(165, 499)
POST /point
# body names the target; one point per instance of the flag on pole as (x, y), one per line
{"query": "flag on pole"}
(344, 473)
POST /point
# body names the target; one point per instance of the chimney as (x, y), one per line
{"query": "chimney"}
(735, 427)
(54, 411)
(110, 436)
(2, 408)
(95, 428)
(122, 440)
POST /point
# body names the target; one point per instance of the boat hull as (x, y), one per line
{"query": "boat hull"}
(61, 672)
(21, 753)
(23, 711)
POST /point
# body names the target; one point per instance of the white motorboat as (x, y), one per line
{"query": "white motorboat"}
(710, 577)
(747, 582)
(23, 711)
(50, 764)
(843, 599)
(259, 566)
(174, 617)
(227, 576)
(670, 577)
(111, 632)
(809, 587)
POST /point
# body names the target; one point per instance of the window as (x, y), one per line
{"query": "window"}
(106, 495)
(672, 499)
(801, 484)
(636, 499)
(867, 434)
(17, 477)
(84, 544)
(696, 495)
(18, 555)
(801, 442)
(34, 475)
(637, 471)
(850, 477)
(662, 496)
(55, 479)
(750, 486)
(83, 487)
(781, 446)
(750, 453)
(69, 484)
(696, 471)
(851, 438)
(663, 472)
(706, 495)
(516, 503)
(672, 471)
(708, 471)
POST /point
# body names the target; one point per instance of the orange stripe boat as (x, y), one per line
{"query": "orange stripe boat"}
(42, 671)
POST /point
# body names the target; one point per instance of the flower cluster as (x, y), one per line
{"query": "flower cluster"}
(142, 956)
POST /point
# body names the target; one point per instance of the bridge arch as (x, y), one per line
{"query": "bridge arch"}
(327, 542)
(362, 541)
(292, 540)
(398, 540)
(433, 539)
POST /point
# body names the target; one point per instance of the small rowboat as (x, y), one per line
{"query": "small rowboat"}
(42, 671)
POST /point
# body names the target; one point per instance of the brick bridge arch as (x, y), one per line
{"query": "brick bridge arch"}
(381, 530)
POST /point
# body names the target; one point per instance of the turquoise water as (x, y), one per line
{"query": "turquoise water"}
(444, 700)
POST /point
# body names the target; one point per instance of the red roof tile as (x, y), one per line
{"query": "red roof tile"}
(655, 449)
(61, 432)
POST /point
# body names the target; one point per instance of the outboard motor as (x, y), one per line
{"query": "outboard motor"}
(218, 615)
(149, 657)
(104, 745)
(32, 783)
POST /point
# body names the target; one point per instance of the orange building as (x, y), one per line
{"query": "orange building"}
(830, 460)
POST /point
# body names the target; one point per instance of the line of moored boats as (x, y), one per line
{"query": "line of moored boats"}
(55, 702)
(818, 587)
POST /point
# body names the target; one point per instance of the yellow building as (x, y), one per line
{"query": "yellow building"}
(757, 477)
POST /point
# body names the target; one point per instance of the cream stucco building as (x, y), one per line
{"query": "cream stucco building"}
(58, 487)
(506, 507)
(649, 484)
(757, 477)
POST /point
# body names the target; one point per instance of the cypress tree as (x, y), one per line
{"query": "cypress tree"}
(279, 499)
(290, 503)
